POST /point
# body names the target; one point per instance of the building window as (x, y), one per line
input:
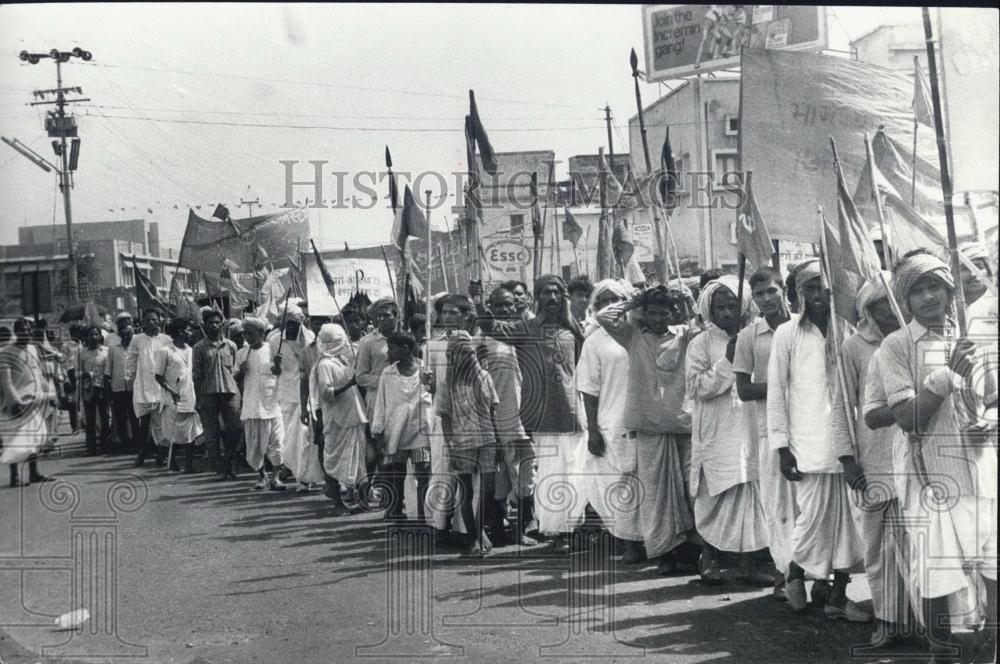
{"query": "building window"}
(725, 161)
(516, 224)
(732, 125)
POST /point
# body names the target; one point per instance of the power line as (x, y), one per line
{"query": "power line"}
(260, 125)
(420, 93)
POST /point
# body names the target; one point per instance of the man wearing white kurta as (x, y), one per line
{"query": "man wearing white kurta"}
(799, 401)
(140, 372)
(297, 449)
(728, 511)
(609, 481)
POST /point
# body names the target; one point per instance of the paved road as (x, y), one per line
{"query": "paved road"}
(209, 573)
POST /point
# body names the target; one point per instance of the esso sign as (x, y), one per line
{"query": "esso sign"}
(507, 256)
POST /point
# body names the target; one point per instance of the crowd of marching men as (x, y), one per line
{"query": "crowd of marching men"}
(702, 425)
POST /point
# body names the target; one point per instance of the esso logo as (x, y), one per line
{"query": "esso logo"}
(507, 255)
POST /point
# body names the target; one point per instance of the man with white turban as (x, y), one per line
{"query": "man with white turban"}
(288, 342)
(943, 398)
(340, 408)
(260, 412)
(728, 511)
(868, 469)
(799, 403)
(609, 480)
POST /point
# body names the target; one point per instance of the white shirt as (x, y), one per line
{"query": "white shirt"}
(799, 400)
(140, 366)
(260, 386)
(174, 364)
(603, 372)
(402, 409)
(291, 351)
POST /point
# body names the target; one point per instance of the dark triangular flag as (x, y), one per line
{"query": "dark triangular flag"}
(146, 296)
(482, 140)
(572, 230)
(669, 181)
(410, 220)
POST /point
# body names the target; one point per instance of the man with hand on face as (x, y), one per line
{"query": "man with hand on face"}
(657, 418)
(217, 396)
(610, 466)
(140, 372)
(943, 395)
(750, 357)
(547, 346)
(799, 404)
(522, 300)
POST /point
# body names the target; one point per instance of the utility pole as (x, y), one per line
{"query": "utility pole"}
(61, 126)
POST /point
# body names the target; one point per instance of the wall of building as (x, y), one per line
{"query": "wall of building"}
(893, 47)
(681, 111)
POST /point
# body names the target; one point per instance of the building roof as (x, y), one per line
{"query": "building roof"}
(908, 24)
(729, 80)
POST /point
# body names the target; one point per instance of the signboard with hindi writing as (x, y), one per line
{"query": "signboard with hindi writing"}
(350, 274)
(682, 40)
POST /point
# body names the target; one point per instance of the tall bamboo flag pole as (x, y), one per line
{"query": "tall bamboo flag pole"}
(660, 244)
(615, 265)
(394, 202)
(879, 212)
(946, 189)
(916, 124)
(428, 326)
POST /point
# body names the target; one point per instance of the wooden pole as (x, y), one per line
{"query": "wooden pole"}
(742, 271)
(444, 268)
(617, 267)
(879, 212)
(428, 325)
(917, 85)
(946, 189)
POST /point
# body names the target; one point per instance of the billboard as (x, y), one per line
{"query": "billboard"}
(682, 40)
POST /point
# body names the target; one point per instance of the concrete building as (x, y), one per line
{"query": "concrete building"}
(507, 237)
(892, 46)
(703, 116)
(104, 265)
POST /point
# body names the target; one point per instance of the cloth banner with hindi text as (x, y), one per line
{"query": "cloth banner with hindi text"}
(355, 269)
(791, 104)
(207, 243)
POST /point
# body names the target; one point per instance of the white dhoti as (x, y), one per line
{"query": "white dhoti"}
(344, 453)
(825, 538)
(885, 550)
(663, 463)
(777, 496)
(733, 520)
(179, 429)
(611, 486)
(961, 538)
(297, 450)
(263, 439)
(23, 436)
(559, 501)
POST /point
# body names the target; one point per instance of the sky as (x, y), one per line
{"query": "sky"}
(168, 82)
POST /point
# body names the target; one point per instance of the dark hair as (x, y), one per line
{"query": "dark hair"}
(709, 275)
(496, 292)
(581, 283)
(209, 314)
(402, 339)
(418, 321)
(176, 325)
(763, 275)
(87, 329)
(511, 284)
(5, 334)
(661, 295)
(460, 301)
(150, 311)
(790, 290)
